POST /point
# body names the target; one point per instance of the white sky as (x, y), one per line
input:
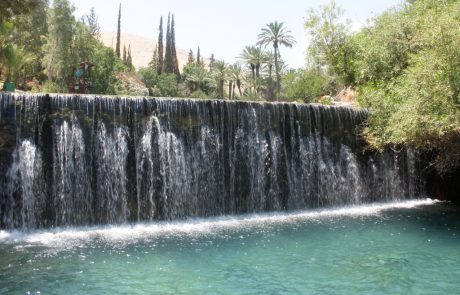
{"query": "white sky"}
(223, 27)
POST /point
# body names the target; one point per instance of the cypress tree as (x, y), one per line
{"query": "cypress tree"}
(212, 60)
(159, 62)
(93, 24)
(191, 58)
(129, 59)
(168, 62)
(153, 64)
(175, 61)
(198, 56)
(118, 32)
(124, 53)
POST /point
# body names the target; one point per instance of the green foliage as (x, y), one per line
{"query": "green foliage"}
(235, 77)
(168, 65)
(406, 64)
(330, 46)
(92, 23)
(129, 59)
(198, 79)
(149, 76)
(175, 61)
(16, 59)
(29, 32)
(305, 85)
(83, 44)
(118, 44)
(103, 75)
(190, 58)
(54, 87)
(12, 8)
(199, 94)
(219, 72)
(383, 50)
(253, 57)
(167, 84)
(58, 57)
(276, 34)
(413, 84)
(160, 55)
(326, 100)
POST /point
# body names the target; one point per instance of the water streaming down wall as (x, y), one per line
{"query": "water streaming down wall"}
(78, 160)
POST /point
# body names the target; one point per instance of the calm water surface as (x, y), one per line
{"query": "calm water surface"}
(399, 248)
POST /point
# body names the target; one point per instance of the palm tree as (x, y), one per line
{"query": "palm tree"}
(275, 33)
(235, 75)
(220, 73)
(269, 61)
(197, 78)
(253, 56)
(16, 59)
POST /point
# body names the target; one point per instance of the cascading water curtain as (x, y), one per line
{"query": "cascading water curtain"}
(78, 160)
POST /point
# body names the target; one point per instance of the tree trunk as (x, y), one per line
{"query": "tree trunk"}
(257, 77)
(253, 71)
(221, 88)
(270, 82)
(230, 87)
(277, 70)
(238, 83)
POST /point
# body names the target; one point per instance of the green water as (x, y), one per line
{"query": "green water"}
(400, 248)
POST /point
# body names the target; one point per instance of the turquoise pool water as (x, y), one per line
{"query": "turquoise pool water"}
(399, 248)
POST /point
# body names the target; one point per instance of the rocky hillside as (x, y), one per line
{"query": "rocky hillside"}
(141, 48)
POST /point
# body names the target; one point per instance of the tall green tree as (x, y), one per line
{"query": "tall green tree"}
(198, 79)
(383, 50)
(93, 23)
(16, 59)
(235, 76)
(149, 76)
(125, 54)
(153, 64)
(168, 61)
(276, 34)
(190, 58)
(167, 84)
(269, 61)
(61, 24)
(212, 60)
(175, 61)
(29, 31)
(160, 48)
(103, 75)
(118, 45)
(220, 74)
(129, 58)
(253, 57)
(330, 44)
(198, 55)
(83, 43)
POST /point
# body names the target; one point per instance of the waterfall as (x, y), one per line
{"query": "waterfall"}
(80, 160)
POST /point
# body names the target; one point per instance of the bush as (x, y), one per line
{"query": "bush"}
(156, 92)
(305, 85)
(326, 100)
(54, 87)
(198, 94)
(167, 83)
